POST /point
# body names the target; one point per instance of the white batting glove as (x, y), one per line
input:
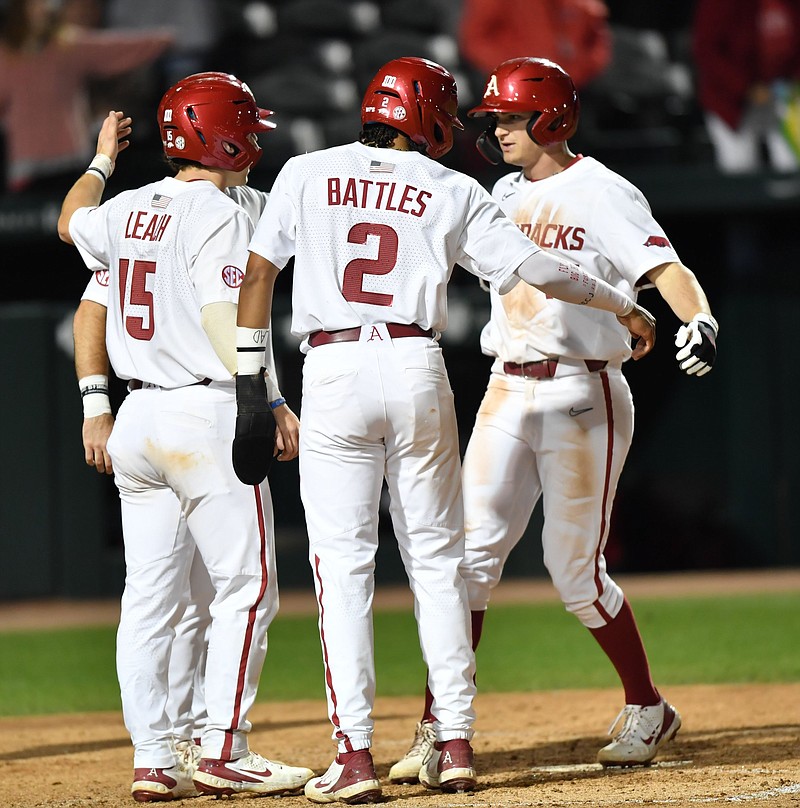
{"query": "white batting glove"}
(697, 341)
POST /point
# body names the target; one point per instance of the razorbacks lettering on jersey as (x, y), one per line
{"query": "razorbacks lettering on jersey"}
(361, 209)
(158, 283)
(591, 216)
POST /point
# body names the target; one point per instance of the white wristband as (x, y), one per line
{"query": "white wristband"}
(250, 350)
(101, 166)
(94, 395)
(708, 320)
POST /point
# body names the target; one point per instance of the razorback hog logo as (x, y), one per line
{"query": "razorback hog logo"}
(657, 241)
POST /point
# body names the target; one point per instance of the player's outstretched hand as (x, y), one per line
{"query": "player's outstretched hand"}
(697, 341)
(254, 439)
(114, 133)
(642, 326)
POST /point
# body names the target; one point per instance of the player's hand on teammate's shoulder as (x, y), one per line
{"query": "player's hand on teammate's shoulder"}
(642, 326)
(697, 343)
(287, 438)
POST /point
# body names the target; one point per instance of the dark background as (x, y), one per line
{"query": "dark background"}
(712, 476)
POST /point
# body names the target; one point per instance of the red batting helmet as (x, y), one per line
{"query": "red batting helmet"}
(209, 118)
(524, 85)
(417, 97)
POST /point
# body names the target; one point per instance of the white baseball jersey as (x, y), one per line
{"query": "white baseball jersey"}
(158, 283)
(591, 216)
(252, 202)
(358, 210)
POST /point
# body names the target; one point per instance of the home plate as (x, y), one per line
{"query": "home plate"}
(583, 768)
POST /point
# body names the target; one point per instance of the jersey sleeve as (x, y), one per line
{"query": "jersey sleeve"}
(628, 234)
(274, 237)
(88, 232)
(491, 245)
(97, 288)
(218, 268)
(251, 200)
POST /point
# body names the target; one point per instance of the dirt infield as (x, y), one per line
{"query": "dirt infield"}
(739, 743)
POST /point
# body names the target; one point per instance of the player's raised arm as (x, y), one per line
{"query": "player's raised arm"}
(88, 188)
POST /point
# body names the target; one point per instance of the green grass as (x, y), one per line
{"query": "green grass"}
(526, 647)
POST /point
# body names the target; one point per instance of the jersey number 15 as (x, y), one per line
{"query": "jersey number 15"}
(138, 296)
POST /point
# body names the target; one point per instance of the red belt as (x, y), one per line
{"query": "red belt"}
(353, 334)
(546, 368)
(138, 384)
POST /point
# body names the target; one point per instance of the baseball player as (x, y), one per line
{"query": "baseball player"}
(175, 250)
(186, 701)
(375, 228)
(557, 418)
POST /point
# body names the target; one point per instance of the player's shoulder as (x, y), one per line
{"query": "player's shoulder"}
(605, 178)
(507, 184)
(454, 179)
(251, 200)
(301, 162)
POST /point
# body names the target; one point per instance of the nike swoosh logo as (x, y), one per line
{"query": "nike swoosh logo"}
(649, 741)
(573, 412)
(506, 195)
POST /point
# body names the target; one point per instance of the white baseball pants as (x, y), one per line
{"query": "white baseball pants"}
(168, 447)
(373, 409)
(564, 438)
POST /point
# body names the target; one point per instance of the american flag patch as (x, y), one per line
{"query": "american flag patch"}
(377, 167)
(160, 201)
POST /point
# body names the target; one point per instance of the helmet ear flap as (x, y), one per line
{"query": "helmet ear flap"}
(545, 135)
(529, 128)
(489, 146)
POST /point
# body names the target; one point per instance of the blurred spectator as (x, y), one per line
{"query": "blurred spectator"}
(45, 67)
(573, 33)
(196, 20)
(747, 54)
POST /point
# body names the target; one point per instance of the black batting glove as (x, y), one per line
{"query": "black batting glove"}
(697, 341)
(254, 439)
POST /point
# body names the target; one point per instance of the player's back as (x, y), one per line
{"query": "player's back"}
(171, 248)
(377, 233)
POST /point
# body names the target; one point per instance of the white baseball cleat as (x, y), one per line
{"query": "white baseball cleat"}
(189, 754)
(450, 767)
(351, 780)
(644, 730)
(406, 770)
(251, 774)
(173, 783)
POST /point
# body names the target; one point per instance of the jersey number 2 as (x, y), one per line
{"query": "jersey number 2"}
(353, 278)
(139, 296)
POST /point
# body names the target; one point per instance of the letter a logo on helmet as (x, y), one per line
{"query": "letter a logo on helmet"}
(491, 88)
(537, 87)
(418, 98)
(212, 119)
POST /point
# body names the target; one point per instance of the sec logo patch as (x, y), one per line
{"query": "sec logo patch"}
(101, 276)
(233, 276)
